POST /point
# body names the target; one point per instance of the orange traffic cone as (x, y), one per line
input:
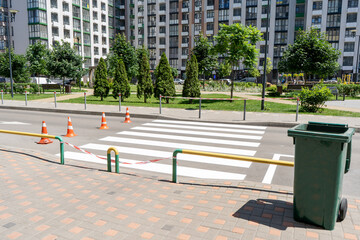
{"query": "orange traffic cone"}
(70, 130)
(127, 116)
(103, 122)
(44, 131)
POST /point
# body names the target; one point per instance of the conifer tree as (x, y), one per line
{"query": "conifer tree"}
(164, 84)
(101, 85)
(121, 83)
(192, 84)
(145, 86)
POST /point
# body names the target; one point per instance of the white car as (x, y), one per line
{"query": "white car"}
(179, 81)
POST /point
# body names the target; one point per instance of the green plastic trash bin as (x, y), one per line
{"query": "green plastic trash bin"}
(322, 156)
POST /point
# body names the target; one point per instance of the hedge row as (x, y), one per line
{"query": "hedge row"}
(20, 88)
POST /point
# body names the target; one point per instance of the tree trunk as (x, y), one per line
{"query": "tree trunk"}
(204, 81)
(232, 82)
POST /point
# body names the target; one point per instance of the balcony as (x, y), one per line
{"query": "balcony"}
(211, 7)
(184, 45)
(197, 20)
(184, 21)
(184, 33)
(185, 10)
(238, 5)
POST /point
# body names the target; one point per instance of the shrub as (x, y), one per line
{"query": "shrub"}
(348, 89)
(312, 100)
(272, 91)
(34, 88)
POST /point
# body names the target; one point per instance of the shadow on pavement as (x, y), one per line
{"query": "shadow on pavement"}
(272, 213)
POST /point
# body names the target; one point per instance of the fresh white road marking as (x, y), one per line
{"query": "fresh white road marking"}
(163, 154)
(161, 168)
(175, 145)
(198, 133)
(211, 124)
(204, 128)
(191, 139)
(13, 123)
(271, 169)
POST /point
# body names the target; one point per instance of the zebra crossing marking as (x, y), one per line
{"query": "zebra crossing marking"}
(198, 133)
(191, 139)
(211, 124)
(272, 167)
(204, 128)
(164, 168)
(180, 145)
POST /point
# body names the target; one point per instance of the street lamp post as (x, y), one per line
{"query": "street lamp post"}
(265, 60)
(78, 41)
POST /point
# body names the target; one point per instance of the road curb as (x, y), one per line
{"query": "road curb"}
(150, 116)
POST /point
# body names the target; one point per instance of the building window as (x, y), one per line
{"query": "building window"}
(251, 12)
(162, 7)
(173, 53)
(348, 61)
(96, 50)
(53, 3)
(223, 15)
(185, 39)
(95, 15)
(334, 6)
(237, 12)
(95, 27)
(262, 48)
(282, 11)
(96, 39)
(210, 26)
(185, 16)
(349, 47)
(316, 20)
(281, 24)
(333, 20)
(351, 17)
(251, 22)
(162, 29)
(55, 31)
(223, 4)
(280, 37)
(54, 17)
(210, 2)
(94, 3)
(103, 29)
(185, 28)
(66, 33)
(174, 17)
(264, 9)
(353, 3)
(36, 31)
(350, 32)
(184, 51)
(66, 20)
(103, 40)
(76, 24)
(173, 41)
(152, 31)
(162, 18)
(237, 1)
(36, 4)
(210, 14)
(317, 5)
(76, 11)
(333, 34)
(103, 18)
(263, 22)
(37, 16)
(173, 63)
(103, 6)
(65, 7)
(104, 51)
(162, 41)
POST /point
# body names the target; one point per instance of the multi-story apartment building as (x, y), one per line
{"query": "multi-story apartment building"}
(6, 17)
(89, 25)
(171, 26)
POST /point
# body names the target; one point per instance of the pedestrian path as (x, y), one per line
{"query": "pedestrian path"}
(156, 141)
(43, 200)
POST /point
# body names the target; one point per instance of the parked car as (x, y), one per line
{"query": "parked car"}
(178, 81)
(247, 79)
(226, 81)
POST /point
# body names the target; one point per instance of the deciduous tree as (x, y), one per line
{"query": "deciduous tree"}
(37, 56)
(19, 66)
(311, 54)
(237, 43)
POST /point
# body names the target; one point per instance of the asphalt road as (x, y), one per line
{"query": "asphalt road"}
(146, 139)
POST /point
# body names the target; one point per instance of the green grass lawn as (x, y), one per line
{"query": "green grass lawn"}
(251, 105)
(29, 96)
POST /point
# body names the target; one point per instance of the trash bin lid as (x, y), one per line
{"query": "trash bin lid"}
(323, 131)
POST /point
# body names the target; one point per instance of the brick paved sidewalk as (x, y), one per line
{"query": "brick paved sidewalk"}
(41, 199)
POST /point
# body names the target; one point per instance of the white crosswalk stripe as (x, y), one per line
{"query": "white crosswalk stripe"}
(191, 139)
(198, 133)
(210, 124)
(180, 145)
(148, 141)
(205, 128)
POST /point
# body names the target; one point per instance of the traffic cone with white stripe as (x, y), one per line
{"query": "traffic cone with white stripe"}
(127, 116)
(44, 131)
(103, 122)
(70, 130)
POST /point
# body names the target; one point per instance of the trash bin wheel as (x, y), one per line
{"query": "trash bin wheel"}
(342, 210)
